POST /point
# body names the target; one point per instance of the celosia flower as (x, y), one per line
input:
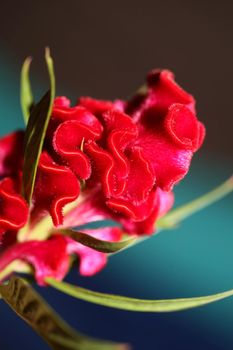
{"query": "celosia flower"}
(146, 150)
(112, 160)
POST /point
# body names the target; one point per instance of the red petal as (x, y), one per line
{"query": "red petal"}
(56, 186)
(67, 142)
(95, 106)
(11, 153)
(127, 177)
(161, 93)
(163, 202)
(61, 101)
(13, 209)
(169, 146)
(113, 165)
(169, 162)
(183, 127)
(202, 133)
(98, 107)
(93, 208)
(166, 91)
(137, 199)
(134, 211)
(79, 113)
(49, 258)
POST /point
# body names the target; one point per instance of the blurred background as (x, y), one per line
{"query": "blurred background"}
(104, 49)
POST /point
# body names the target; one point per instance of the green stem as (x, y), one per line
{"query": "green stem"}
(133, 304)
(175, 216)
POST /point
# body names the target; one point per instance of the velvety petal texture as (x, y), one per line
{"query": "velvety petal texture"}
(11, 153)
(133, 149)
(56, 186)
(113, 160)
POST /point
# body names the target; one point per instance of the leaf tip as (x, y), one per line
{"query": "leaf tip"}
(28, 60)
(26, 66)
(48, 57)
(47, 51)
(124, 347)
(228, 184)
(231, 180)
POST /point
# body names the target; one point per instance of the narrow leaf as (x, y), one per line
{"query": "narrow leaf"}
(132, 304)
(26, 97)
(98, 244)
(175, 216)
(29, 305)
(35, 133)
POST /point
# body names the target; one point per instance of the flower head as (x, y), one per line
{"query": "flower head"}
(100, 160)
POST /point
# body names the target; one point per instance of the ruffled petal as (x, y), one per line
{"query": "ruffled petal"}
(61, 101)
(56, 186)
(13, 208)
(183, 127)
(135, 211)
(126, 176)
(68, 140)
(63, 113)
(159, 94)
(95, 106)
(202, 133)
(163, 202)
(112, 164)
(137, 200)
(165, 91)
(169, 147)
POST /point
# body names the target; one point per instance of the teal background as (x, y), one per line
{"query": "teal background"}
(104, 50)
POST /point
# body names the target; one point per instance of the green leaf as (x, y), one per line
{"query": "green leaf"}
(26, 97)
(35, 133)
(98, 244)
(175, 216)
(29, 305)
(132, 304)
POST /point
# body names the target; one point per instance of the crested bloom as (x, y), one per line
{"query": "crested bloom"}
(101, 160)
(145, 150)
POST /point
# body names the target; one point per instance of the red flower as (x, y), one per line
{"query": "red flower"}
(131, 153)
(127, 157)
(150, 147)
